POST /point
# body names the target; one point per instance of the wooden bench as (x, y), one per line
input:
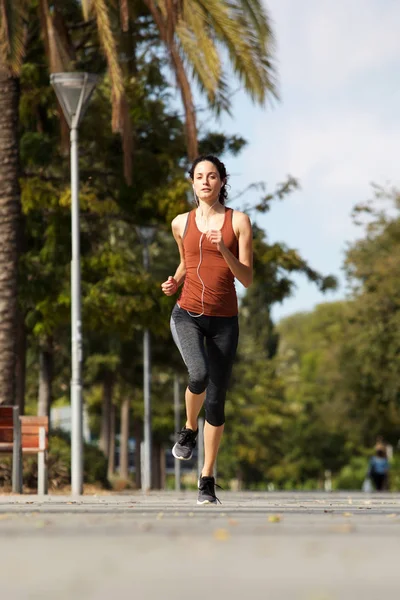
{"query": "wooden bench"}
(10, 442)
(34, 440)
(24, 435)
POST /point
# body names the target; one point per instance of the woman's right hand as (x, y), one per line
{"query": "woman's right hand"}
(169, 287)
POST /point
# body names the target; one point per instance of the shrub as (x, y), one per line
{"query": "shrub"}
(351, 476)
(59, 465)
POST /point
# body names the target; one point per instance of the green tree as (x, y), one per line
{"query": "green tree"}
(309, 364)
(339, 363)
(371, 353)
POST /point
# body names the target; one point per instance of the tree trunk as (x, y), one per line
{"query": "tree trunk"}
(239, 477)
(182, 80)
(158, 475)
(138, 434)
(156, 467)
(108, 384)
(163, 468)
(124, 440)
(20, 366)
(187, 99)
(10, 211)
(45, 379)
(111, 447)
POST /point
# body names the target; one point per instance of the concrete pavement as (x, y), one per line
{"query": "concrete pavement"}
(279, 546)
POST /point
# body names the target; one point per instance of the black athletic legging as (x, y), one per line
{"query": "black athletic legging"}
(208, 347)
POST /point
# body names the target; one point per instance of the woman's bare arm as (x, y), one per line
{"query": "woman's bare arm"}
(172, 284)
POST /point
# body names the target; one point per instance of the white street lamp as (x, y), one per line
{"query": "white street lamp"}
(73, 91)
(146, 235)
(177, 419)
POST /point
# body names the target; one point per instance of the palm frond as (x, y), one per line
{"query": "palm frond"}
(222, 96)
(12, 33)
(58, 53)
(249, 53)
(199, 50)
(172, 10)
(161, 6)
(110, 50)
(157, 9)
(120, 113)
(159, 12)
(127, 139)
(87, 8)
(124, 14)
(259, 18)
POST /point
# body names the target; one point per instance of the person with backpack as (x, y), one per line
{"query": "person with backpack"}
(378, 468)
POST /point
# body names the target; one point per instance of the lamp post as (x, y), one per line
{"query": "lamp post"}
(177, 419)
(73, 91)
(146, 235)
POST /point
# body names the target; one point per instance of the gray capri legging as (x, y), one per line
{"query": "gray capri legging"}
(208, 347)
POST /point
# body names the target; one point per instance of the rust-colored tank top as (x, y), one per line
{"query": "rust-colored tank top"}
(220, 298)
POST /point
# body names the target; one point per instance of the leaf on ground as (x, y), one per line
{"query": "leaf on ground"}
(40, 524)
(343, 528)
(221, 535)
(274, 519)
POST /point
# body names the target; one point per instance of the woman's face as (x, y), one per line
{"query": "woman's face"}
(206, 181)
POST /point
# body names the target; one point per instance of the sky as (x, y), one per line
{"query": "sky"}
(336, 129)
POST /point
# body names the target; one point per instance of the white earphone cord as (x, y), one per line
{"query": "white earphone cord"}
(198, 266)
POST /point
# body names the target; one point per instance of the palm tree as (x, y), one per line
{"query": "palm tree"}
(61, 56)
(11, 55)
(195, 33)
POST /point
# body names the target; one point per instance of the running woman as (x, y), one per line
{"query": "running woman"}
(215, 247)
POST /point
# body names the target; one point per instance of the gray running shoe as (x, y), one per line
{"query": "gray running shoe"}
(183, 449)
(207, 491)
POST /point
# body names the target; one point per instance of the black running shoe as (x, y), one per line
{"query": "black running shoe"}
(183, 448)
(207, 491)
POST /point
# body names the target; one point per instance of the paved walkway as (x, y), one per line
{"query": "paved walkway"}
(275, 546)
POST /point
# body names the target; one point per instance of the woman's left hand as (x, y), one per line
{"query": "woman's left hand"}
(215, 237)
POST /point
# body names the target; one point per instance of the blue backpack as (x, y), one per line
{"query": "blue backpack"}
(378, 465)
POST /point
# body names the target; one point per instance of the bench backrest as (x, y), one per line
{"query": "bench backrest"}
(30, 428)
(8, 416)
